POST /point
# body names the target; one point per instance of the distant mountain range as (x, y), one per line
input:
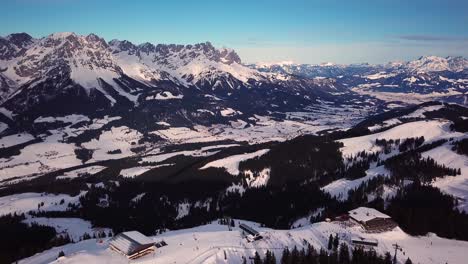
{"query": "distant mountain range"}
(65, 73)
(425, 64)
(427, 78)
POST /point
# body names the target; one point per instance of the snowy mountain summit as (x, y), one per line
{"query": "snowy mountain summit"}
(435, 64)
(67, 73)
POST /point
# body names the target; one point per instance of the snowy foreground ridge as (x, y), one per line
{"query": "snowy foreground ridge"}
(214, 243)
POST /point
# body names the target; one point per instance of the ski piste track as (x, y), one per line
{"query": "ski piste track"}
(203, 256)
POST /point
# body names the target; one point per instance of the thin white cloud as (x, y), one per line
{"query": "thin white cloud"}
(432, 38)
(371, 52)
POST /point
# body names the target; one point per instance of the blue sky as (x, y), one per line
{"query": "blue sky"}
(304, 31)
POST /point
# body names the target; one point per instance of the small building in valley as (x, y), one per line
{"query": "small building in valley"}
(132, 244)
(372, 220)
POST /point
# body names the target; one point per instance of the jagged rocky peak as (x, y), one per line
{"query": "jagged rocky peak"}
(147, 48)
(229, 56)
(185, 53)
(97, 41)
(122, 45)
(21, 40)
(190, 52)
(14, 45)
(66, 50)
(71, 39)
(7, 49)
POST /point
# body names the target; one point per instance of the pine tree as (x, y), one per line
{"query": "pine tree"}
(285, 259)
(408, 261)
(333, 258)
(273, 258)
(344, 254)
(336, 242)
(269, 258)
(330, 242)
(323, 257)
(294, 255)
(311, 256)
(257, 258)
(388, 258)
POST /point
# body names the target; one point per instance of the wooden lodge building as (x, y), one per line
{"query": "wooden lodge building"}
(372, 220)
(132, 244)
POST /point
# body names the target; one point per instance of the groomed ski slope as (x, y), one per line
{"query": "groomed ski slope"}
(211, 243)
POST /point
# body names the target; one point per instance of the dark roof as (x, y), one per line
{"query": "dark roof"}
(249, 230)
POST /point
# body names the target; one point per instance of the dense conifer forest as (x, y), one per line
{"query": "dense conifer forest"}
(20, 240)
(420, 209)
(337, 254)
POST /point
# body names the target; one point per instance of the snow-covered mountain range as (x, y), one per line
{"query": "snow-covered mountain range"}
(424, 64)
(69, 73)
(427, 78)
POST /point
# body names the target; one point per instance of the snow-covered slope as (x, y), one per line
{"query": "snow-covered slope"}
(430, 130)
(214, 243)
(433, 130)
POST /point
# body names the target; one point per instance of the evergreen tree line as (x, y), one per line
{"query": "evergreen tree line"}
(419, 209)
(461, 147)
(309, 255)
(358, 164)
(410, 165)
(359, 196)
(20, 240)
(305, 158)
(402, 144)
(454, 113)
(158, 208)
